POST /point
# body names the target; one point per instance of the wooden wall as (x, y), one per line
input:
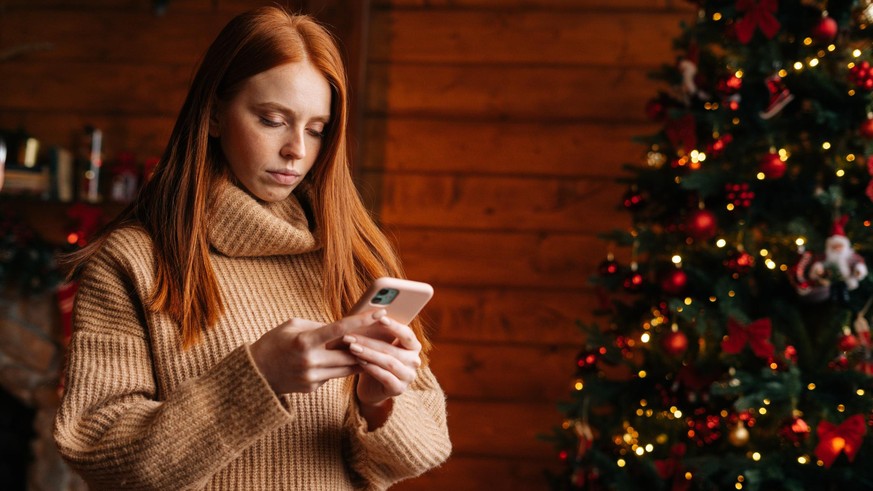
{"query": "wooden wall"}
(494, 130)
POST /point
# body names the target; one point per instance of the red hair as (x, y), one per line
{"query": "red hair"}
(355, 251)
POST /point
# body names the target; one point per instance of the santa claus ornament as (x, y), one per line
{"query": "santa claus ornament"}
(842, 268)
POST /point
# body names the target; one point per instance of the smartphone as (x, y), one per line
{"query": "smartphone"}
(403, 299)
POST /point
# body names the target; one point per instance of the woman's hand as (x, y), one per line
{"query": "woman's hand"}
(387, 369)
(293, 356)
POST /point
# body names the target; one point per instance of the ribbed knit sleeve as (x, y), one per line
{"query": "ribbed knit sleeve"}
(414, 439)
(114, 425)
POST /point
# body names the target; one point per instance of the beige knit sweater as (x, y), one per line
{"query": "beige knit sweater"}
(141, 413)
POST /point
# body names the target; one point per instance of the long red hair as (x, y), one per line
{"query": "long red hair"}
(172, 206)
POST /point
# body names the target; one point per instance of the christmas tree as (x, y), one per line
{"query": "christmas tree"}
(734, 348)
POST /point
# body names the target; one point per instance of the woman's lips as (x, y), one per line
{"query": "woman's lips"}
(284, 178)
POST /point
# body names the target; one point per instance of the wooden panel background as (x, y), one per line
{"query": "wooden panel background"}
(491, 136)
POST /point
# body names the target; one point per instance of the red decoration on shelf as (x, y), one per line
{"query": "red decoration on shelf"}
(826, 30)
(756, 334)
(675, 343)
(772, 166)
(759, 15)
(845, 438)
(701, 225)
(673, 283)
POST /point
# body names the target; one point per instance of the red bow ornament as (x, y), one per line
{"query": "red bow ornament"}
(756, 334)
(759, 14)
(846, 437)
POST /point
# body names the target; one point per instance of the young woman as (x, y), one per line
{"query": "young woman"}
(210, 348)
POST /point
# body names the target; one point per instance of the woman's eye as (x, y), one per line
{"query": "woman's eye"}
(271, 123)
(316, 133)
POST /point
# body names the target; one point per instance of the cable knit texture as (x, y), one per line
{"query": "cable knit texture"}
(141, 413)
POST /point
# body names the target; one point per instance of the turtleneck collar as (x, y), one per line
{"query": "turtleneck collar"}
(241, 226)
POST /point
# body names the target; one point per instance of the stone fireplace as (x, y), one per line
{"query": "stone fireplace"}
(31, 357)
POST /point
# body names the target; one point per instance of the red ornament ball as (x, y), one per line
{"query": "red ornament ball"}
(866, 128)
(586, 361)
(740, 262)
(772, 166)
(825, 30)
(674, 282)
(633, 282)
(739, 194)
(675, 343)
(847, 342)
(633, 200)
(702, 225)
(861, 75)
(865, 366)
(609, 267)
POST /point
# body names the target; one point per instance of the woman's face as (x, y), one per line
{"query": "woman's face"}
(272, 129)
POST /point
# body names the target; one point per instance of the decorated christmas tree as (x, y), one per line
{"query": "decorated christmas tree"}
(733, 350)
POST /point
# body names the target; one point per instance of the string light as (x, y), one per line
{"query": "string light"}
(811, 386)
(756, 456)
(720, 243)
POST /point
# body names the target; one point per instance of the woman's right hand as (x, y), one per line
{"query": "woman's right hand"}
(294, 356)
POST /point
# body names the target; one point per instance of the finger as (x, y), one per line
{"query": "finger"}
(330, 358)
(394, 365)
(391, 385)
(409, 358)
(326, 374)
(341, 327)
(297, 324)
(404, 334)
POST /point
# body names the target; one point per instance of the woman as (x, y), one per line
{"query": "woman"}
(209, 347)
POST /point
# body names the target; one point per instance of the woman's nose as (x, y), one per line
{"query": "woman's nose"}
(294, 147)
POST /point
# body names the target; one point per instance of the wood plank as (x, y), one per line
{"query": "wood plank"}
(606, 38)
(129, 36)
(603, 94)
(502, 429)
(528, 316)
(533, 4)
(140, 5)
(500, 147)
(144, 136)
(534, 204)
(505, 373)
(101, 88)
(465, 473)
(505, 259)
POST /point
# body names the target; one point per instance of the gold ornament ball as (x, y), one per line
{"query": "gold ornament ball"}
(739, 435)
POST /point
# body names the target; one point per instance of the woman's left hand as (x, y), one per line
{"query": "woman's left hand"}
(387, 368)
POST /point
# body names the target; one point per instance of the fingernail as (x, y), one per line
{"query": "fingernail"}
(385, 320)
(362, 362)
(349, 339)
(380, 314)
(356, 348)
